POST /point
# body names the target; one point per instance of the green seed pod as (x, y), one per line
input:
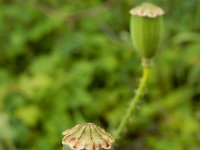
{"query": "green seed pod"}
(146, 29)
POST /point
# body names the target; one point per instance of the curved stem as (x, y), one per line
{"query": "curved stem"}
(134, 101)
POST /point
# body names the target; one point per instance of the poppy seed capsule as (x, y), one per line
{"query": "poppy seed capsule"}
(87, 136)
(146, 29)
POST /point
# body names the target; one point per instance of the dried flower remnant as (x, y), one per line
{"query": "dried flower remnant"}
(87, 136)
(147, 10)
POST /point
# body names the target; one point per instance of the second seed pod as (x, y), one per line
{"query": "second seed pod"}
(146, 29)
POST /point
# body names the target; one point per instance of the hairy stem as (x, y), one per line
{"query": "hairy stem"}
(134, 101)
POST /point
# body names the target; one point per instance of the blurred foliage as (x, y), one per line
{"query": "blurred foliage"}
(65, 62)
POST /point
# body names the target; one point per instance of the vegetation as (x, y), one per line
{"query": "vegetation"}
(67, 62)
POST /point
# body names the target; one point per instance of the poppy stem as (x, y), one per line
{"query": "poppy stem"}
(134, 101)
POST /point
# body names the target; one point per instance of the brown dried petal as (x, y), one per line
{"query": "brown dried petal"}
(87, 136)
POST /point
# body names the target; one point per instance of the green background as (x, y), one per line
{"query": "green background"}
(64, 62)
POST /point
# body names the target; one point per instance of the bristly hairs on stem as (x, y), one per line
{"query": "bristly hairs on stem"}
(134, 101)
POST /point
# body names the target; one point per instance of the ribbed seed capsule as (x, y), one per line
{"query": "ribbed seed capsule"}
(87, 136)
(146, 29)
